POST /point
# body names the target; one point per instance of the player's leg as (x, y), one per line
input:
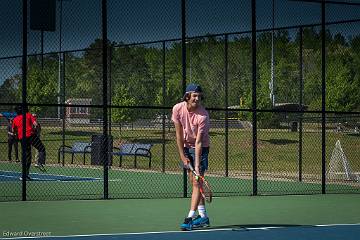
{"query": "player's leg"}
(28, 158)
(16, 147)
(37, 143)
(202, 220)
(195, 199)
(10, 143)
(195, 195)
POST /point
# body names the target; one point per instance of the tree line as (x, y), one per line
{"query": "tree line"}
(150, 75)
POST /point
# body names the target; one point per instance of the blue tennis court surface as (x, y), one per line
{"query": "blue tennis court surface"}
(317, 232)
(15, 176)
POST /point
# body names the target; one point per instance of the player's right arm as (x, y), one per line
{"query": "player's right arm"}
(180, 142)
(175, 117)
(11, 131)
(14, 127)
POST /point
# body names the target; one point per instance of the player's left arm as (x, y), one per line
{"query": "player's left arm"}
(198, 148)
(14, 127)
(199, 143)
(11, 131)
(33, 121)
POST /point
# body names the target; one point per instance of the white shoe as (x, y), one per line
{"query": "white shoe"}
(27, 178)
(41, 167)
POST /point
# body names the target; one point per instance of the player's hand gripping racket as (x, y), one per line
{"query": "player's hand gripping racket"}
(204, 186)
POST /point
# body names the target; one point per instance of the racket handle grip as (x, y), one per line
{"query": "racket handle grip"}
(192, 169)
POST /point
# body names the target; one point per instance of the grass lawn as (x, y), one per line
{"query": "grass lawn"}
(278, 150)
(278, 164)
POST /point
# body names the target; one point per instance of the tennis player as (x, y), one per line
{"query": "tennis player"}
(192, 137)
(12, 141)
(31, 138)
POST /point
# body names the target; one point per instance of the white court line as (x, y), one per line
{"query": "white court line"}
(185, 232)
(38, 179)
(8, 176)
(53, 175)
(114, 180)
(336, 224)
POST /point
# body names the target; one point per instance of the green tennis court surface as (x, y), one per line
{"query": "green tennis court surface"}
(86, 182)
(83, 182)
(266, 217)
(316, 232)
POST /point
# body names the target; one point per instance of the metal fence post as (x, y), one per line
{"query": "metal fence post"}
(226, 107)
(323, 97)
(24, 94)
(64, 107)
(254, 106)
(301, 100)
(105, 103)
(183, 48)
(164, 104)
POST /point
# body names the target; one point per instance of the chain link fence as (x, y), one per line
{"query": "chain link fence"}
(115, 138)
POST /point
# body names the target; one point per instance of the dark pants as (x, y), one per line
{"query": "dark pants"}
(36, 143)
(13, 141)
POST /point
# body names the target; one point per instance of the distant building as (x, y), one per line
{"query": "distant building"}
(78, 114)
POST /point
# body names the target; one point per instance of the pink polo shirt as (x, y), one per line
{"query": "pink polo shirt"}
(192, 123)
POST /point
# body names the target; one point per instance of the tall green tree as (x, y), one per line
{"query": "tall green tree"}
(123, 97)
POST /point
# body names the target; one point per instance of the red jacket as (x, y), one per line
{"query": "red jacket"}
(18, 125)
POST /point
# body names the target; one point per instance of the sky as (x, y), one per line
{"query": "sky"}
(132, 21)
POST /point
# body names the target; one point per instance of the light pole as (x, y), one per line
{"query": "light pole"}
(272, 81)
(60, 58)
(190, 73)
(59, 69)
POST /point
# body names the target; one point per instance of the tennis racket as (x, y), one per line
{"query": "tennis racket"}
(204, 186)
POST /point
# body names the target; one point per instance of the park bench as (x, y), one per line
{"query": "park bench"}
(77, 148)
(133, 149)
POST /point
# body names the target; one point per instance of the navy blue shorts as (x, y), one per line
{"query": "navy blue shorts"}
(204, 162)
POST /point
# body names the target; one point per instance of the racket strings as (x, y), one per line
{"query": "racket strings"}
(206, 190)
